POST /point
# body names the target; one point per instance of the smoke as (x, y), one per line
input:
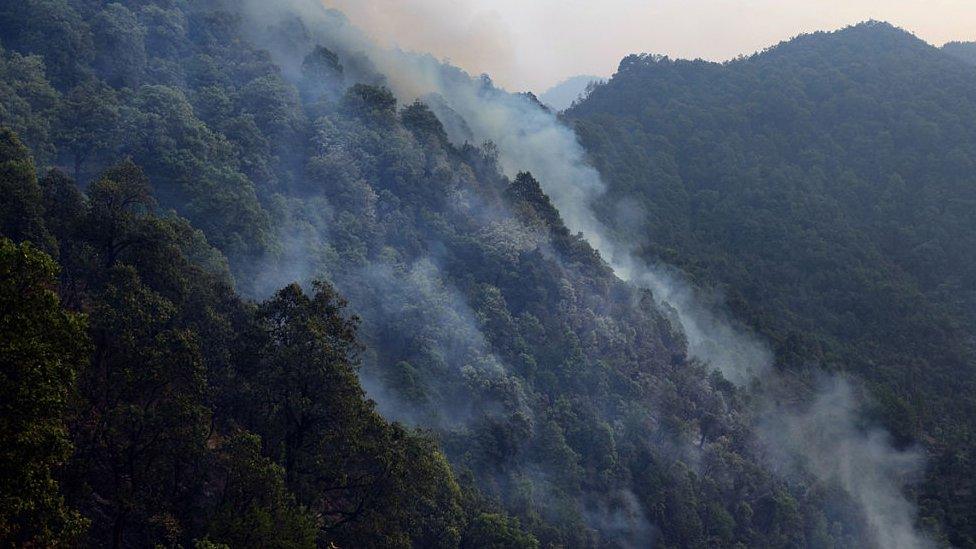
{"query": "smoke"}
(712, 336)
(824, 440)
(530, 138)
(622, 519)
(821, 439)
(303, 250)
(461, 33)
(413, 309)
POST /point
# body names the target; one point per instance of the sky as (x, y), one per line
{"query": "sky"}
(534, 44)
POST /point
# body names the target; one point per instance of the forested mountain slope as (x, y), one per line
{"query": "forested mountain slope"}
(144, 403)
(183, 176)
(965, 51)
(826, 188)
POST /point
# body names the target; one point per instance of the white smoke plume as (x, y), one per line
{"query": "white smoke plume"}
(823, 438)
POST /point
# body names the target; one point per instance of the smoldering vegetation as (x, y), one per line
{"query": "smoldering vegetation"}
(438, 387)
(600, 401)
(826, 438)
(822, 438)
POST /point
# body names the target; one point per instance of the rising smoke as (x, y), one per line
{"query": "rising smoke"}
(822, 438)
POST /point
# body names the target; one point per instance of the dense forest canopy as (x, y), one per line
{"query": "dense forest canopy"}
(265, 285)
(826, 188)
(965, 51)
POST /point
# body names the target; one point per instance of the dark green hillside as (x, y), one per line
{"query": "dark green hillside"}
(827, 188)
(254, 299)
(164, 409)
(965, 51)
(203, 398)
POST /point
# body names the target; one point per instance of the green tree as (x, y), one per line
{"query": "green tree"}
(42, 349)
(368, 481)
(321, 64)
(374, 104)
(194, 170)
(88, 123)
(254, 507)
(52, 29)
(492, 531)
(27, 100)
(21, 210)
(322, 75)
(120, 46)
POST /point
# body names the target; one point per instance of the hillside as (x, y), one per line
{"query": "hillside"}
(825, 187)
(965, 51)
(220, 225)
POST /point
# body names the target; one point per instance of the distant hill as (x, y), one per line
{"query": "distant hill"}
(561, 96)
(962, 50)
(826, 187)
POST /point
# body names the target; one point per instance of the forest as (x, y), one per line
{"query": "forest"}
(255, 295)
(965, 51)
(825, 187)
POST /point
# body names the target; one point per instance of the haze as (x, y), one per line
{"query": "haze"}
(534, 44)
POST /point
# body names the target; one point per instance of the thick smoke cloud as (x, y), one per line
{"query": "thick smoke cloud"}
(822, 439)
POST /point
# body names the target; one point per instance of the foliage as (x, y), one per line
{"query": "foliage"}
(42, 349)
(562, 408)
(965, 51)
(825, 188)
(172, 442)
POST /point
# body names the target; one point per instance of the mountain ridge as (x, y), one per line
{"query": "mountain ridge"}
(420, 351)
(965, 51)
(822, 185)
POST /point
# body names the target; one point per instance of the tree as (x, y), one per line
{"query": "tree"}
(144, 421)
(42, 349)
(194, 170)
(88, 121)
(165, 30)
(275, 106)
(492, 531)
(322, 74)
(21, 210)
(368, 481)
(52, 29)
(419, 119)
(118, 204)
(321, 63)
(27, 100)
(307, 349)
(373, 103)
(120, 46)
(254, 507)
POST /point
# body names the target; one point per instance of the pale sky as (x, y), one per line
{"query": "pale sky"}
(533, 44)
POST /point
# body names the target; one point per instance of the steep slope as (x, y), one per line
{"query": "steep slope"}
(192, 414)
(825, 187)
(561, 395)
